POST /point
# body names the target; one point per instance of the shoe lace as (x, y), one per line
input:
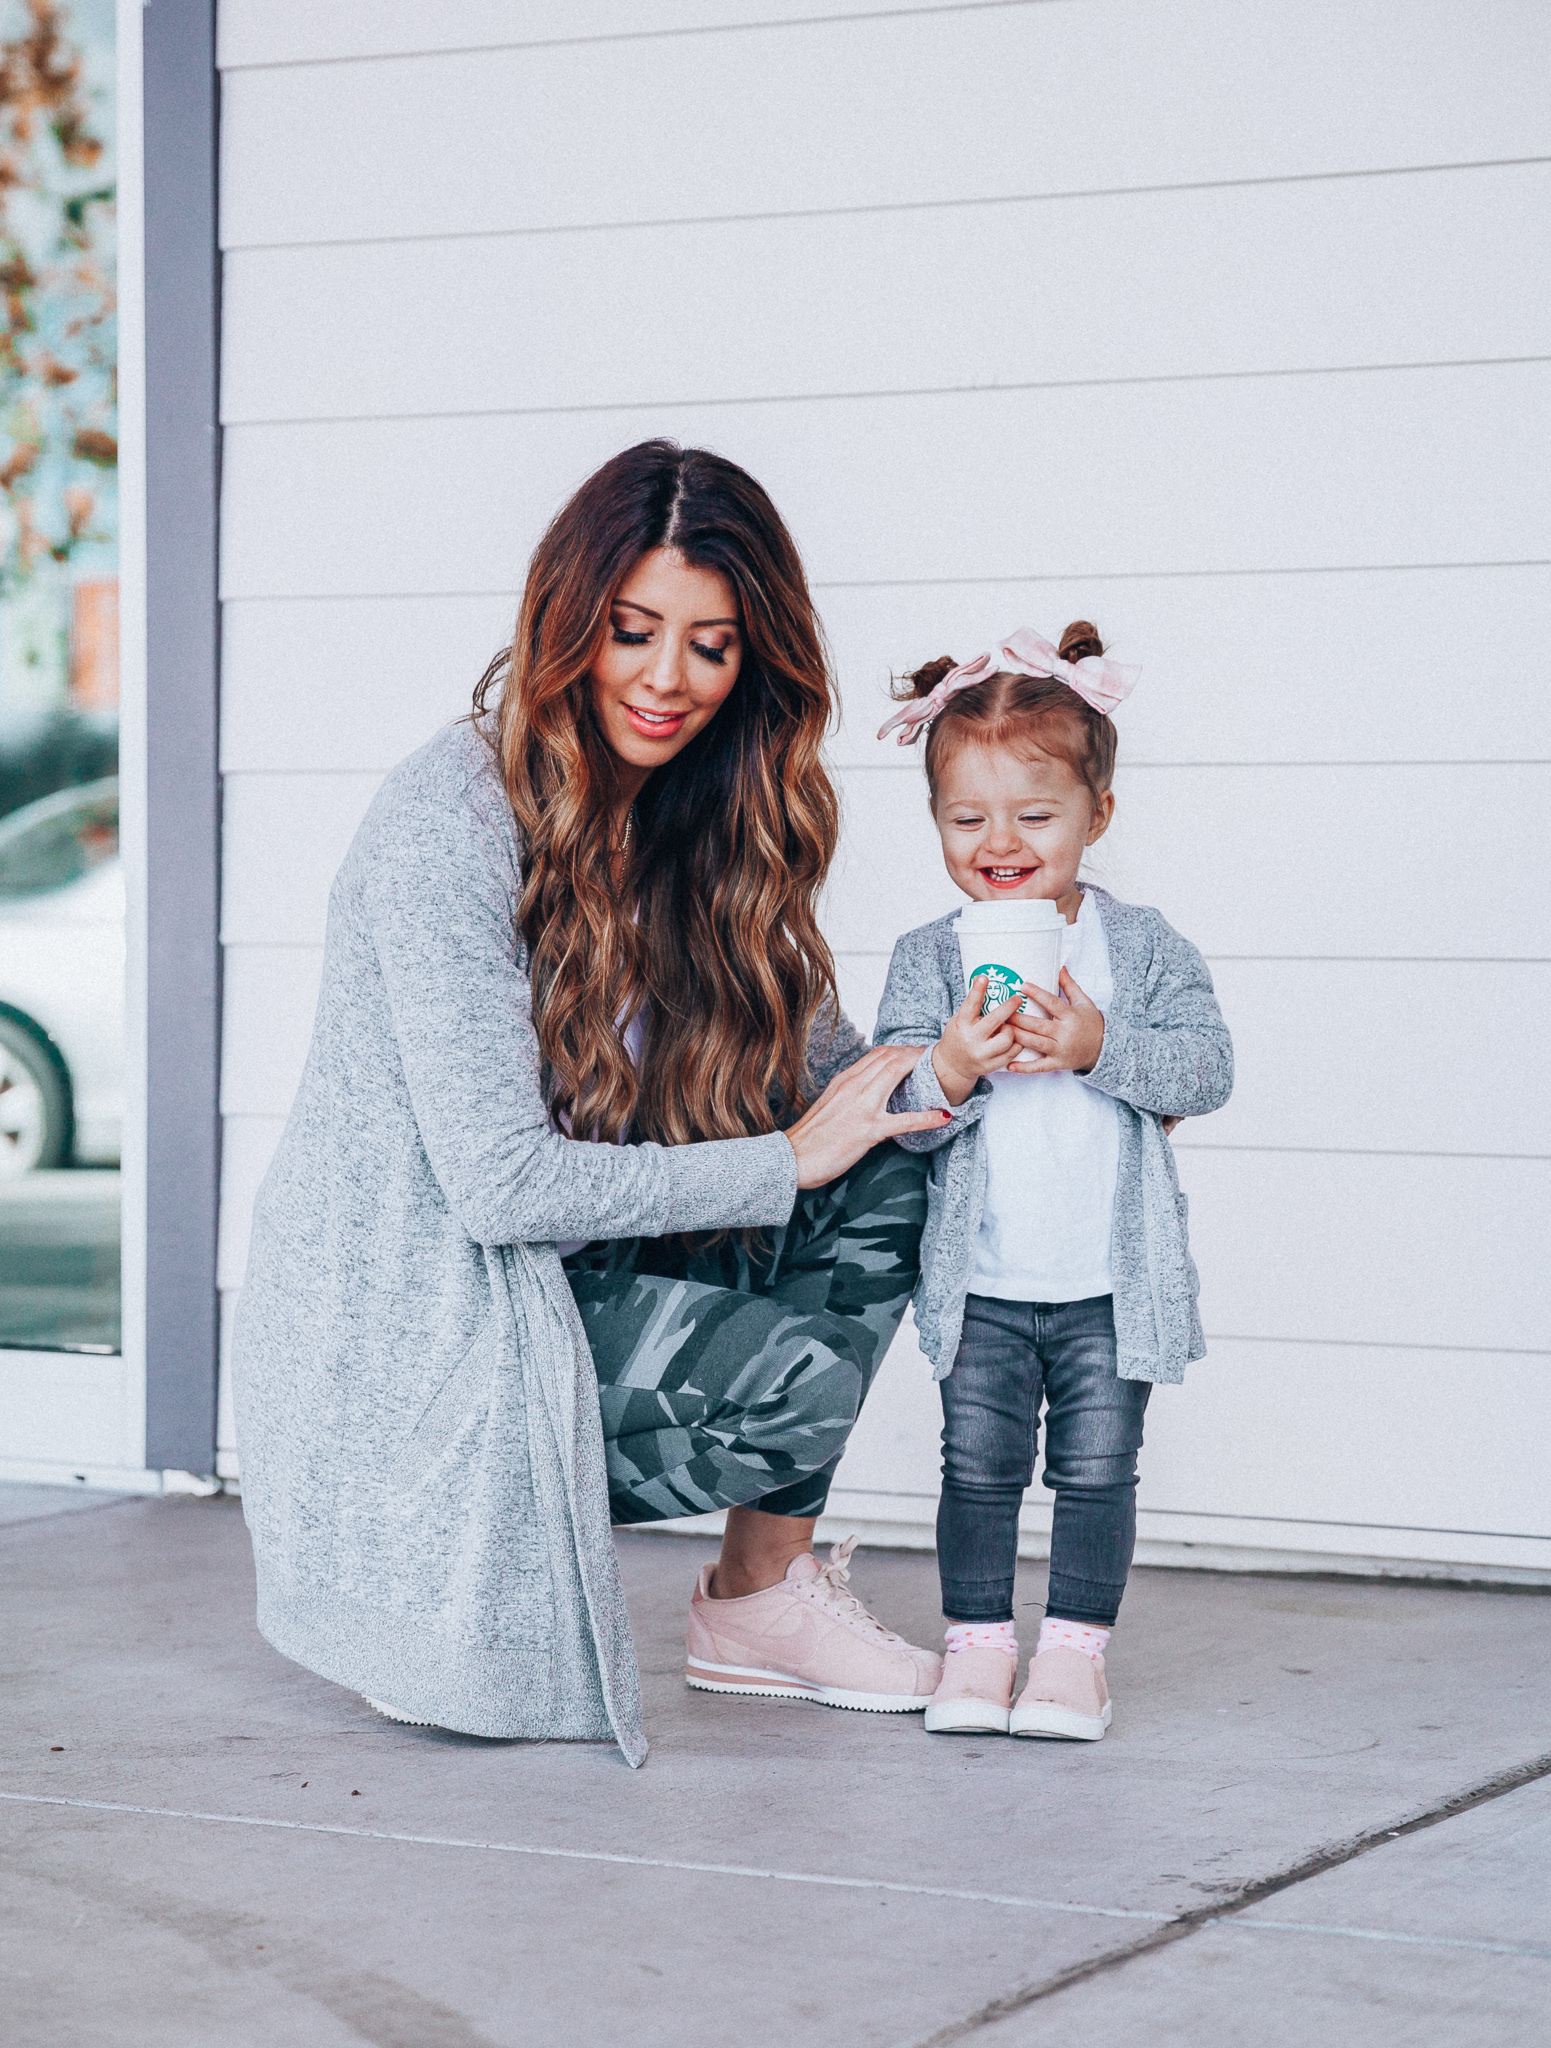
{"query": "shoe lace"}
(833, 1587)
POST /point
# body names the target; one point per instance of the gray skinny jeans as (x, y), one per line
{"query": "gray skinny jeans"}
(1013, 1356)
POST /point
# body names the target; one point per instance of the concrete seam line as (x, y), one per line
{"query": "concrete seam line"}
(1182, 1926)
(1170, 1926)
(308, 1827)
(1486, 1948)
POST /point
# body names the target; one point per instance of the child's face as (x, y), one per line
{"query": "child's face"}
(1016, 825)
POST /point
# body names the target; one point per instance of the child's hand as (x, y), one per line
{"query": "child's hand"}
(1069, 1040)
(972, 1045)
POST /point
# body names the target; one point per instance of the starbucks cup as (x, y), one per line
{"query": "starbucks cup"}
(1009, 943)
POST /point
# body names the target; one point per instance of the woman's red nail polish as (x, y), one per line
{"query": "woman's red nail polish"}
(947, 1116)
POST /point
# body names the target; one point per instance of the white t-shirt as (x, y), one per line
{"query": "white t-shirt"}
(1053, 1157)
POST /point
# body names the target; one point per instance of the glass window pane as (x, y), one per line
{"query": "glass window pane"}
(61, 886)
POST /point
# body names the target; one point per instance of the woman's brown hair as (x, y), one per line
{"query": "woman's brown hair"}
(1039, 712)
(710, 934)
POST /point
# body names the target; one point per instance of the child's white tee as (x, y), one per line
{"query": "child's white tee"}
(1053, 1156)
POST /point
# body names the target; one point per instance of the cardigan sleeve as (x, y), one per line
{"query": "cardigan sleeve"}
(916, 1004)
(834, 1043)
(433, 879)
(1178, 1060)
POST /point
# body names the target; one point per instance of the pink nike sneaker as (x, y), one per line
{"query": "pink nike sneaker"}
(808, 1638)
(1066, 1697)
(975, 1696)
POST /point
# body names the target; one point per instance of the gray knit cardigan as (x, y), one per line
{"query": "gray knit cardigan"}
(417, 1412)
(1166, 1053)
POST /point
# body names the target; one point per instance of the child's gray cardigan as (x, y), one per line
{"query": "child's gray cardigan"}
(1166, 1053)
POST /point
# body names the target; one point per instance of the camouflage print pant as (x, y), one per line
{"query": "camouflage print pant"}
(732, 1374)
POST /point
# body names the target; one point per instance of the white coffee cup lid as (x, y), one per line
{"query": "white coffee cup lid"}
(1027, 914)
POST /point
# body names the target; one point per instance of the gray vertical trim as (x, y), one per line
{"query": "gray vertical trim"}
(182, 271)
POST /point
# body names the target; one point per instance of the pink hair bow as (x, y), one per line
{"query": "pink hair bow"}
(1096, 679)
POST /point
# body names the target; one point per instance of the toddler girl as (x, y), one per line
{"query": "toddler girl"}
(1055, 1269)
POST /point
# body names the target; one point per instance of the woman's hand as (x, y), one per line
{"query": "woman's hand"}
(972, 1045)
(1068, 1041)
(852, 1115)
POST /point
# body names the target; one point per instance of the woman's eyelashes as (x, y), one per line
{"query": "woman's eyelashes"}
(623, 637)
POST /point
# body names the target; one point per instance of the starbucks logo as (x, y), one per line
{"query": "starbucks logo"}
(1001, 982)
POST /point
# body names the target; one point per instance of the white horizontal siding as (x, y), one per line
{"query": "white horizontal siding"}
(1357, 665)
(247, 1146)
(1412, 1093)
(1318, 862)
(1344, 1448)
(1419, 1253)
(284, 837)
(1348, 470)
(1377, 1065)
(299, 31)
(1420, 1097)
(1352, 1248)
(1135, 285)
(1351, 666)
(349, 686)
(1360, 1436)
(1335, 570)
(926, 107)
(860, 978)
(268, 998)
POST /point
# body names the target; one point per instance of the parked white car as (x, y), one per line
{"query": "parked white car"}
(61, 981)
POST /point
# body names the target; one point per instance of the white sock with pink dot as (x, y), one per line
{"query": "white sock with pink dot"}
(1071, 1635)
(983, 1635)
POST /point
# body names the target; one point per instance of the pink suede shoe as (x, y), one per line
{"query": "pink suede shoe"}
(809, 1638)
(975, 1696)
(1065, 1697)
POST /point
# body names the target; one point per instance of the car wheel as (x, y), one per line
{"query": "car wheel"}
(34, 1104)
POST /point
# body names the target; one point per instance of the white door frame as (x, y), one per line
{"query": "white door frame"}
(127, 1421)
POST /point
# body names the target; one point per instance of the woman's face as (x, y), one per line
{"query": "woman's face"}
(668, 660)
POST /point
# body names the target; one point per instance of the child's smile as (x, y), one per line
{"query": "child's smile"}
(1016, 825)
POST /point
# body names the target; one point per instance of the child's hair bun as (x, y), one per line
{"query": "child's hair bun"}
(922, 681)
(1080, 639)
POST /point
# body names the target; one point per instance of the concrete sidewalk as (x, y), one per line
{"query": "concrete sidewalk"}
(244, 1856)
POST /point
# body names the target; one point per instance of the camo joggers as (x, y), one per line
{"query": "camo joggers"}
(731, 1373)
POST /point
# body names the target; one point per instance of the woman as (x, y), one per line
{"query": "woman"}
(575, 1003)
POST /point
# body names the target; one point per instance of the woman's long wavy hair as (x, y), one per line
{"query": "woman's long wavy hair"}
(710, 934)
